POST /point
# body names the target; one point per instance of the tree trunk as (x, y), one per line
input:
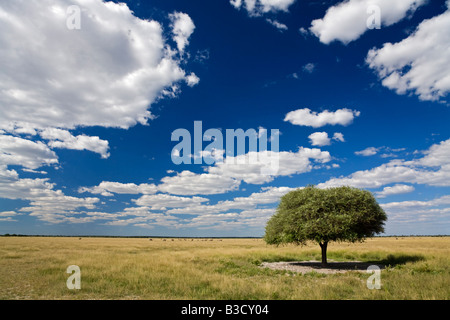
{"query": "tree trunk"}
(323, 246)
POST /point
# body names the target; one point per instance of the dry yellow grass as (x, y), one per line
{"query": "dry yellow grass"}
(136, 268)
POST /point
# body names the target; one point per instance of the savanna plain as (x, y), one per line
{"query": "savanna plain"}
(217, 269)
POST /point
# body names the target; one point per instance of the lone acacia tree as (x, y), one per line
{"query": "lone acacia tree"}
(324, 215)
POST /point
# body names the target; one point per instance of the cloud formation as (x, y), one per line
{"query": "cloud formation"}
(63, 139)
(280, 26)
(259, 7)
(319, 139)
(370, 151)
(419, 63)
(45, 203)
(226, 176)
(265, 166)
(348, 20)
(396, 189)
(24, 152)
(108, 188)
(432, 169)
(182, 29)
(190, 183)
(405, 215)
(163, 201)
(306, 117)
(107, 73)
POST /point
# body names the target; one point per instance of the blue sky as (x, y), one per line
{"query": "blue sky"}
(90, 97)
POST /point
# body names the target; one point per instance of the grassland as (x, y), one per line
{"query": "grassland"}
(139, 268)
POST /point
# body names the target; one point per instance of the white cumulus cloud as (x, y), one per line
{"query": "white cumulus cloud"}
(45, 203)
(338, 137)
(163, 201)
(65, 140)
(24, 152)
(107, 188)
(309, 67)
(189, 183)
(306, 117)
(192, 80)
(319, 139)
(107, 73)
(280, 26)
(396, 189)
(348, 20)
(370, 151)
(410, 215)
(259, 7)
(432, 169)
(265, 166)
(182, 29)
(418, 64)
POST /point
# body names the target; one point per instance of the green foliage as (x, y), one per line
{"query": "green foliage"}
(323, 215)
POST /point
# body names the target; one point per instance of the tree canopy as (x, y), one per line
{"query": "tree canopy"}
(324, 215)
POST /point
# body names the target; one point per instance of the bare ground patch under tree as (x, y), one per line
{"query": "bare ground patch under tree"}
(316, 266)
